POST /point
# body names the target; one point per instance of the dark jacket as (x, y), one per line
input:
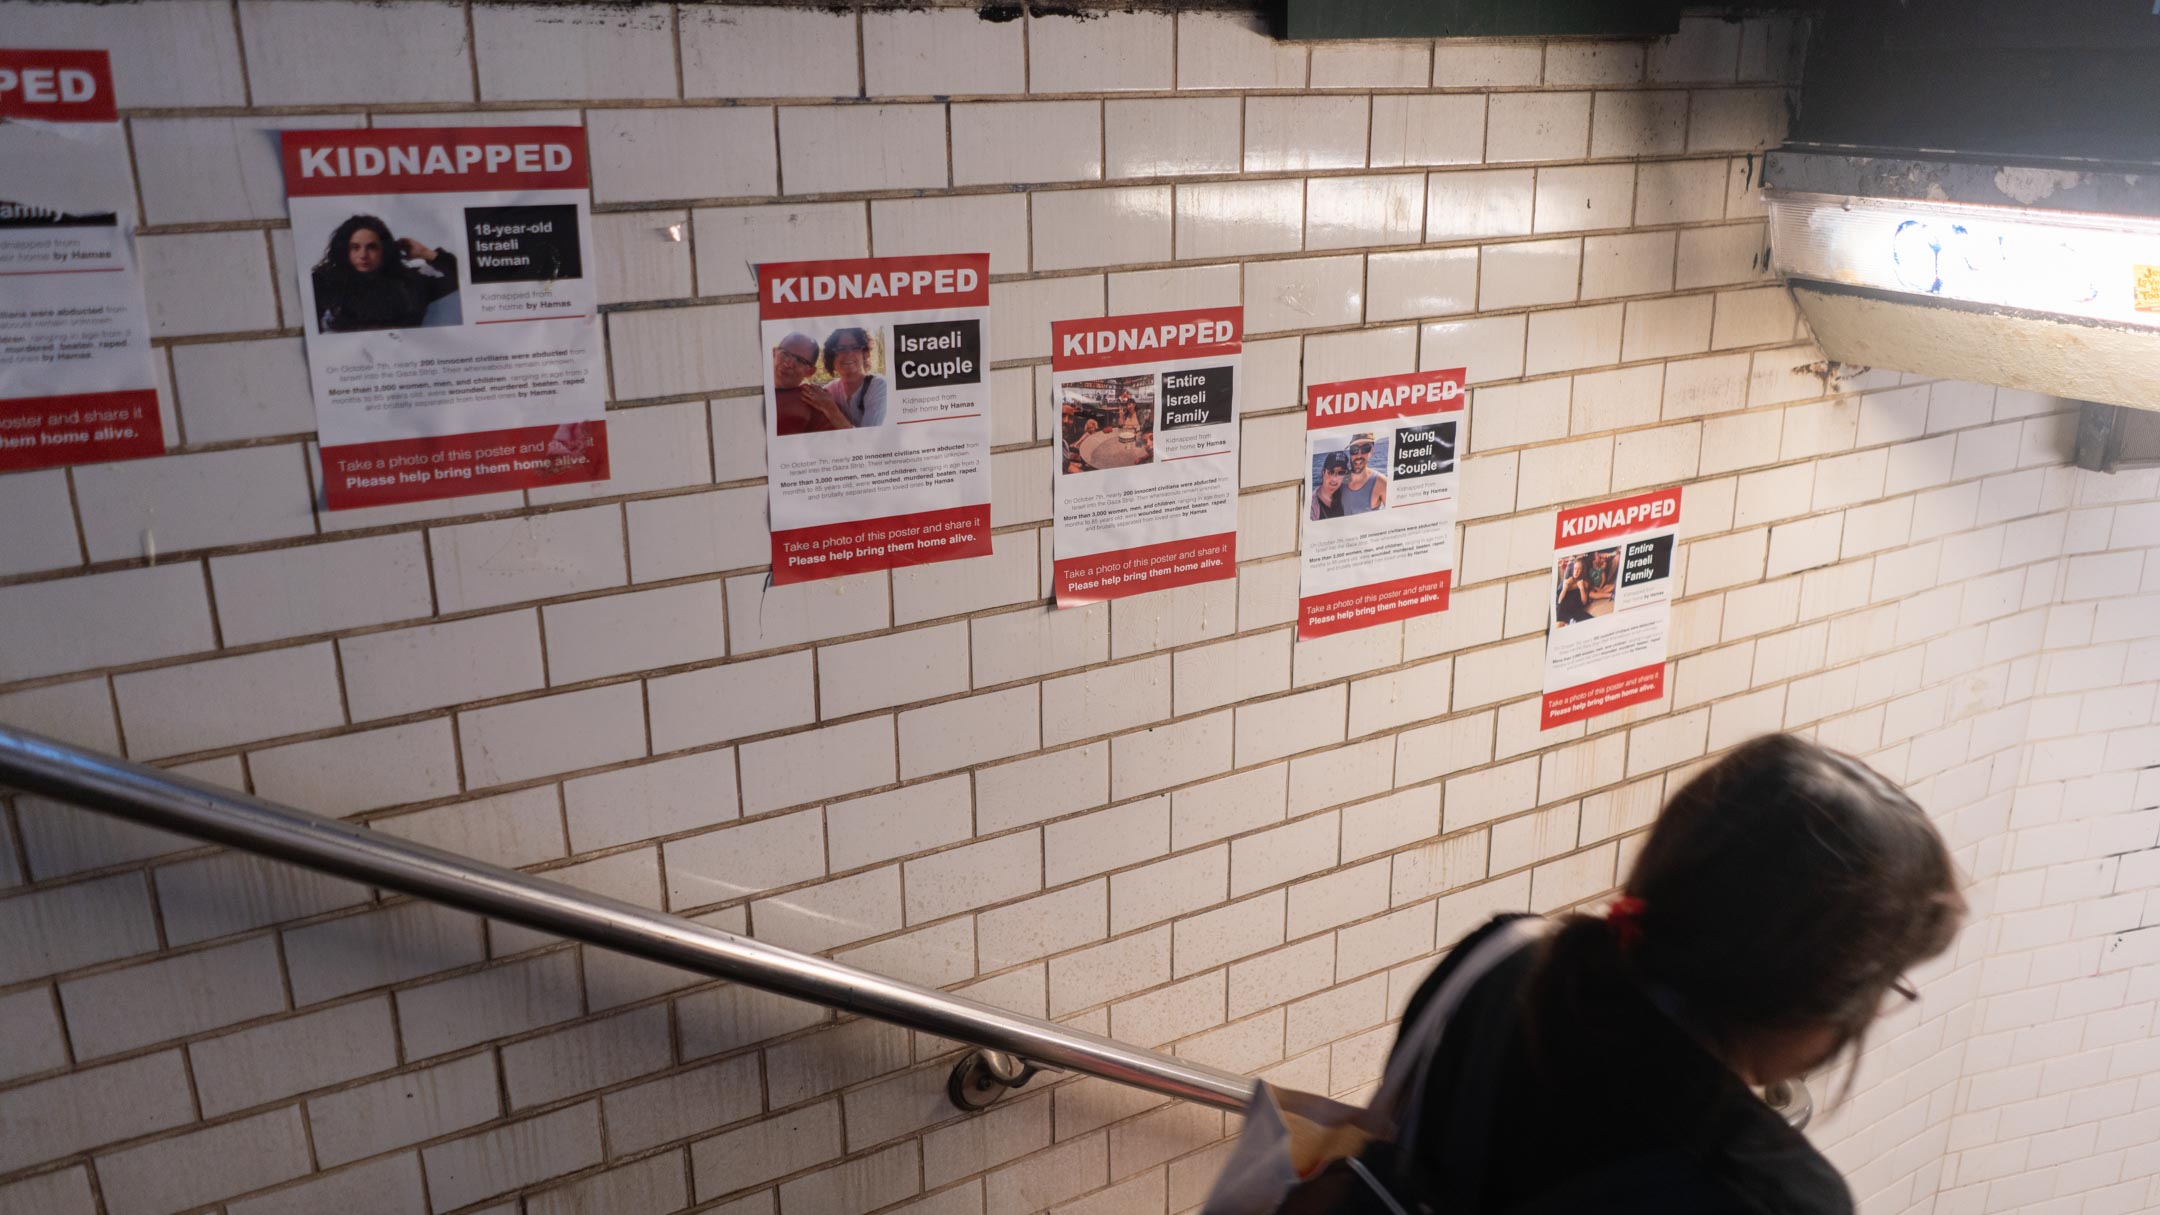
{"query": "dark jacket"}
(396, 299)
(1617, 1110)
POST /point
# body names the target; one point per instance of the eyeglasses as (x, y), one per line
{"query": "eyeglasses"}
(811, 364)
(1360, 449)
(851, 350)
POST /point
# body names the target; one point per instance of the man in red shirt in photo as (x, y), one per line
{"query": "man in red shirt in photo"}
(800, 407)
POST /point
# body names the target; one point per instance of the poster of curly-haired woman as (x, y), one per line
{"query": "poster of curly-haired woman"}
(449, 307)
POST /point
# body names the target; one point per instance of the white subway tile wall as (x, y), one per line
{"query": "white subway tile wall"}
(1161, 818)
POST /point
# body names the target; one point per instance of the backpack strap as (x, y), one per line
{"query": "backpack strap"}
(1464, 1154)
(1670, 1182)
(1410, 1072)
(1402, 1093)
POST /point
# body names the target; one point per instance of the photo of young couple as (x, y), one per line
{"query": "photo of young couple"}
(1347, 481)
(829, 381)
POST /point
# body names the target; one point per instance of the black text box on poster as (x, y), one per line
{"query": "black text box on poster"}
(935, 354)
(1200, 397)
(528, 244)
(1647, 560)
(1424, 451)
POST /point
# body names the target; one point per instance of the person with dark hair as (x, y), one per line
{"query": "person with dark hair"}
(362, 281)
(1771, 916)
(1573, 603)
(1327, 496)
(1602, 577)
(1366, 489)
(860, 395)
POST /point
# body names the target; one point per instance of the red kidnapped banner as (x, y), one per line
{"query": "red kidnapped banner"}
(1149, 337)
(428, 467)
(861, 286)
(1384, 398)
(1150, 567)
(805, 554)
(85, 428)
(434, 160)
(1379, 603)
(1604, 696)
(1644, 512)
(57, 86)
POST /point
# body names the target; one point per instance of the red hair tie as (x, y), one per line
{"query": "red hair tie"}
(1625, 917)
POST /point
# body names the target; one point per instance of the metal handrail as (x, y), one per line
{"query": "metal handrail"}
(170, 802)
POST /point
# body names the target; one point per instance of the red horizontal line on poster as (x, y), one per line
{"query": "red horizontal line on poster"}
(862, 286)
(429, 467)
(1375, 603)
(1148, 567)
(80, 428)
(1656, 510)
(35, 273)
(433, 160)
(1205, 455)
(57, 86)
(1384, 398)
(526, 320)
(1146, 337)
(1607, 695)
(919, 421)
(805, 554)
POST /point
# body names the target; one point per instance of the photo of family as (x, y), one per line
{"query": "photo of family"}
(1348, 481)
(370, 278)
(1583, 586)
(1107, 423)
(829, 377)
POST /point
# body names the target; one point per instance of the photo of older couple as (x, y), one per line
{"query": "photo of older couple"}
(829, 381)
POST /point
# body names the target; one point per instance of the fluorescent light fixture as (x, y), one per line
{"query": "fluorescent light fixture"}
(2099, 267)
